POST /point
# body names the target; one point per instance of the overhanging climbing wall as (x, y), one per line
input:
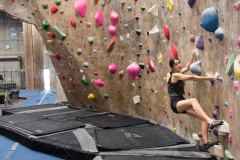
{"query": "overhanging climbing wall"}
(113, 55)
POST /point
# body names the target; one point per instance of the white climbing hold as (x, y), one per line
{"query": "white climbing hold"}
(223, 129)
(218, 151)
(136, 99)
(154, 30)
(154, 10)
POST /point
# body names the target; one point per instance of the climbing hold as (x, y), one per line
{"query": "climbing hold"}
(236, 6)
(103, 5)
(166, 31)
(200, 42)
(136, 99)
(45, 6)
(91, 96)
(154, 10)
(141, 65)
(111, 44)
(52, 34)
(99, 17)
(105, 96)
(192, 38)
(160, 58)
(225, 104)
(54, 9)
(209, 19)
(226, 59)
(59, 33)
(214, 114)
(90, 40)
(174, 52)
(230, 138)
(99, 82)
(50, 42)
(223, 129)
(153, 30)
(238, 41)
(73, 22)
(236, 85)
(122, 3)
(57, 56)
(112, 68)
(138, 54)
(217, 106)
(230, 112)
(114, 17)
(196, 67)
(121, 74)
(138, 31)
(85, 65)
(61, 11)
(112, 30)
(79, 51)
(228, 155)
(96, 2)
(191, 3)
(137, 18)
(169, 4)
(133, 70)
(229, 68)
(237, 67)
(81, 7)
(84, 80)
(70, 65)
(151, 65)
(215, 132)
(142, 8)
(45, 24)
(126, 25)
(58, 2)
(129, 8)
(219, 33)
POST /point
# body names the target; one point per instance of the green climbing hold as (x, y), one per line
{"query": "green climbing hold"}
(79, 51)
(45, 6)
(45, 24)
(85, 65)
(84, 80)
(105, 96)
(59, 33)
(228, 155)
(229, 69)
(58, 2)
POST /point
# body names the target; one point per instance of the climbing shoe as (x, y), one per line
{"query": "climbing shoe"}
(207, 146)
(215, 123)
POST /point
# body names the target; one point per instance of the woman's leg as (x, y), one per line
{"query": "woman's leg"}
(193, 103)
(204, 125)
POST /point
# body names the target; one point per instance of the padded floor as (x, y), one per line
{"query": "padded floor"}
(111, 120)
(145, 158)
(136, 137)
(19, 118)
(43, 127)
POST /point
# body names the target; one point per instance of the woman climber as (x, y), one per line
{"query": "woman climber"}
(189, 106)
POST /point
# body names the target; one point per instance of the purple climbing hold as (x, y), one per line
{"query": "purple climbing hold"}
(200, 42)
(215, 132)
(191, 3)
(209, 19)
(199, 134)
(214, 114)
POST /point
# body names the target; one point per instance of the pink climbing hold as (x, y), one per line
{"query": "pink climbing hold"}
(133, 70)
(166, 31)
(192, 38)
(99, 82)
(226, 59)
(236, 85)
(54, 9)
(230, 138)
(238, 41)
(81, 7)
(236, 6)
(112, 68)
(174, 52)
(114, 17)
(112, 30)
(230, 112)
(99, 17)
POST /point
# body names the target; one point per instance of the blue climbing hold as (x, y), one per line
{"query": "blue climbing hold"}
(200, 42)
(219, 34)
(209, 19)
(191, 3)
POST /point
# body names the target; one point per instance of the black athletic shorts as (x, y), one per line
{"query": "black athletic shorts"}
(174, 101)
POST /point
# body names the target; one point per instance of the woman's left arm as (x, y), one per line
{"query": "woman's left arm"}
(186, 68)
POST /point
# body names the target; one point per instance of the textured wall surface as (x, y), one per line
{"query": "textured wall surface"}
(131, 47)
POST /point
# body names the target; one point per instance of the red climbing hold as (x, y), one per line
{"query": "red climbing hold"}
(52, 35)
(173, 52)
(151, 65)
(96, 2)
(166, 31)
(192, 38)
(54, 9)
(73, 22)
(57, 56)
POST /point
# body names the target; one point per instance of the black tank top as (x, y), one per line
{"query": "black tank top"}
(175, 89)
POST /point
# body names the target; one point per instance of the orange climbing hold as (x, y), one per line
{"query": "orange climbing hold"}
(54, 9)
(111, 44)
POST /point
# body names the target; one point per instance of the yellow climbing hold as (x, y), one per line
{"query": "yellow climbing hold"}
(237, 67)
(174, 129)
(160, 58)
(168, 76)
(91, 96)
(169, 4)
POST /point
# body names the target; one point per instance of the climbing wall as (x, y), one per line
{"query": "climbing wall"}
(113, 55)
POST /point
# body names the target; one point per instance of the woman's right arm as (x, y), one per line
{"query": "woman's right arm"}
(179, 76)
